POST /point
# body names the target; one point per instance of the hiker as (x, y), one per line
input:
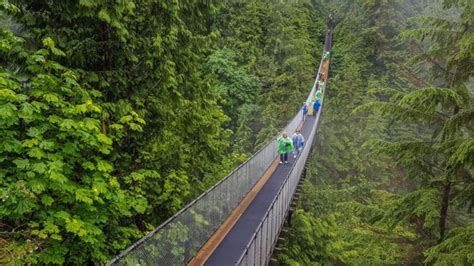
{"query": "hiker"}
(305, 110)
(310, 107)
(285, 146)
(321, 75)
(326, 55)
(322, 85)
(316, 106)
(318, 95)
(330, 22)
(298, 143)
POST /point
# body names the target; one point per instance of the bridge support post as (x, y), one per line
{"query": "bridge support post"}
(291, 210)
(288, 218)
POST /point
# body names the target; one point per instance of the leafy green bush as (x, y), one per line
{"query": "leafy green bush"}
(57, 189)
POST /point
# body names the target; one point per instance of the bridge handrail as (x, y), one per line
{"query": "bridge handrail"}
(188, 206)
(261, 255)
(245, 175)
(287, 201)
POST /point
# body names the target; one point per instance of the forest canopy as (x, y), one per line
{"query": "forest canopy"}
(391, 175)
(115, 114)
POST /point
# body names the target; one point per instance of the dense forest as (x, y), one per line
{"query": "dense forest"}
(391, 181)
(115, 114)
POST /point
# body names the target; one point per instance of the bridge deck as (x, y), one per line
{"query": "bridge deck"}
(234, 243)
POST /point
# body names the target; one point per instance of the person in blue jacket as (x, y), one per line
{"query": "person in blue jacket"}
(316, 106)
(298, 143)
(305, 110)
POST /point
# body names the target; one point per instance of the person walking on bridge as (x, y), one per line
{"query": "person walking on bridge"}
(317, 95)
(284, 146)
(298, 143)
(305, 110)
(310, 107)
(316, 106)
(330, 22)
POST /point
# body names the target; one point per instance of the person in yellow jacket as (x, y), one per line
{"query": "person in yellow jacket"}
(284, 146)
(310, 107)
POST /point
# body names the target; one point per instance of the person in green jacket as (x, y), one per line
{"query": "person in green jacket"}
(285, 146)
(318, 95)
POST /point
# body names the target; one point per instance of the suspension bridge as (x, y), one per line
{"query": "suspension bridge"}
(237, 221)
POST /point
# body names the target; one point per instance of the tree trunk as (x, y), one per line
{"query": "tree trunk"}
(444, 211)
(443, 214)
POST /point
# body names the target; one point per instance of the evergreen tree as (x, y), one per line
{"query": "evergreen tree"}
(60, 196)
(170, 99)
(124, 83)
(439, 162)
(415, 209)
(274, 42)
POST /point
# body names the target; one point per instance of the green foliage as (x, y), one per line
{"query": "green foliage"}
(447, 43)
(315, 243)
(238, 91)
(457, 249)
(275, 43)
(113, 123)
(130, 109)
(398, 179)
(438, 158)
(340, 226)
(58, 191)
(438, 162)
(115, 114)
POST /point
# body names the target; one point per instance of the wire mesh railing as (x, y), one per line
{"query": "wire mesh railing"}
(260, 247)
(177, 240)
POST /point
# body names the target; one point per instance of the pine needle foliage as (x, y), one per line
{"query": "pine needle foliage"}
(141, 105)
(393, 161)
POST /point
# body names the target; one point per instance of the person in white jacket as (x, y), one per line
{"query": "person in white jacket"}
(298, 143)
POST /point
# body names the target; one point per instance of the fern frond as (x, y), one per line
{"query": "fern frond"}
(436, 22)
(408, 154)
(398, 147)
(428, 99)
(366, 212)
(434, 28)
(422, 34)
(431, 55)
(421, 204)
(396, 111)
(457, 249)
(464, 154)
(454, 124)
(465, 198)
